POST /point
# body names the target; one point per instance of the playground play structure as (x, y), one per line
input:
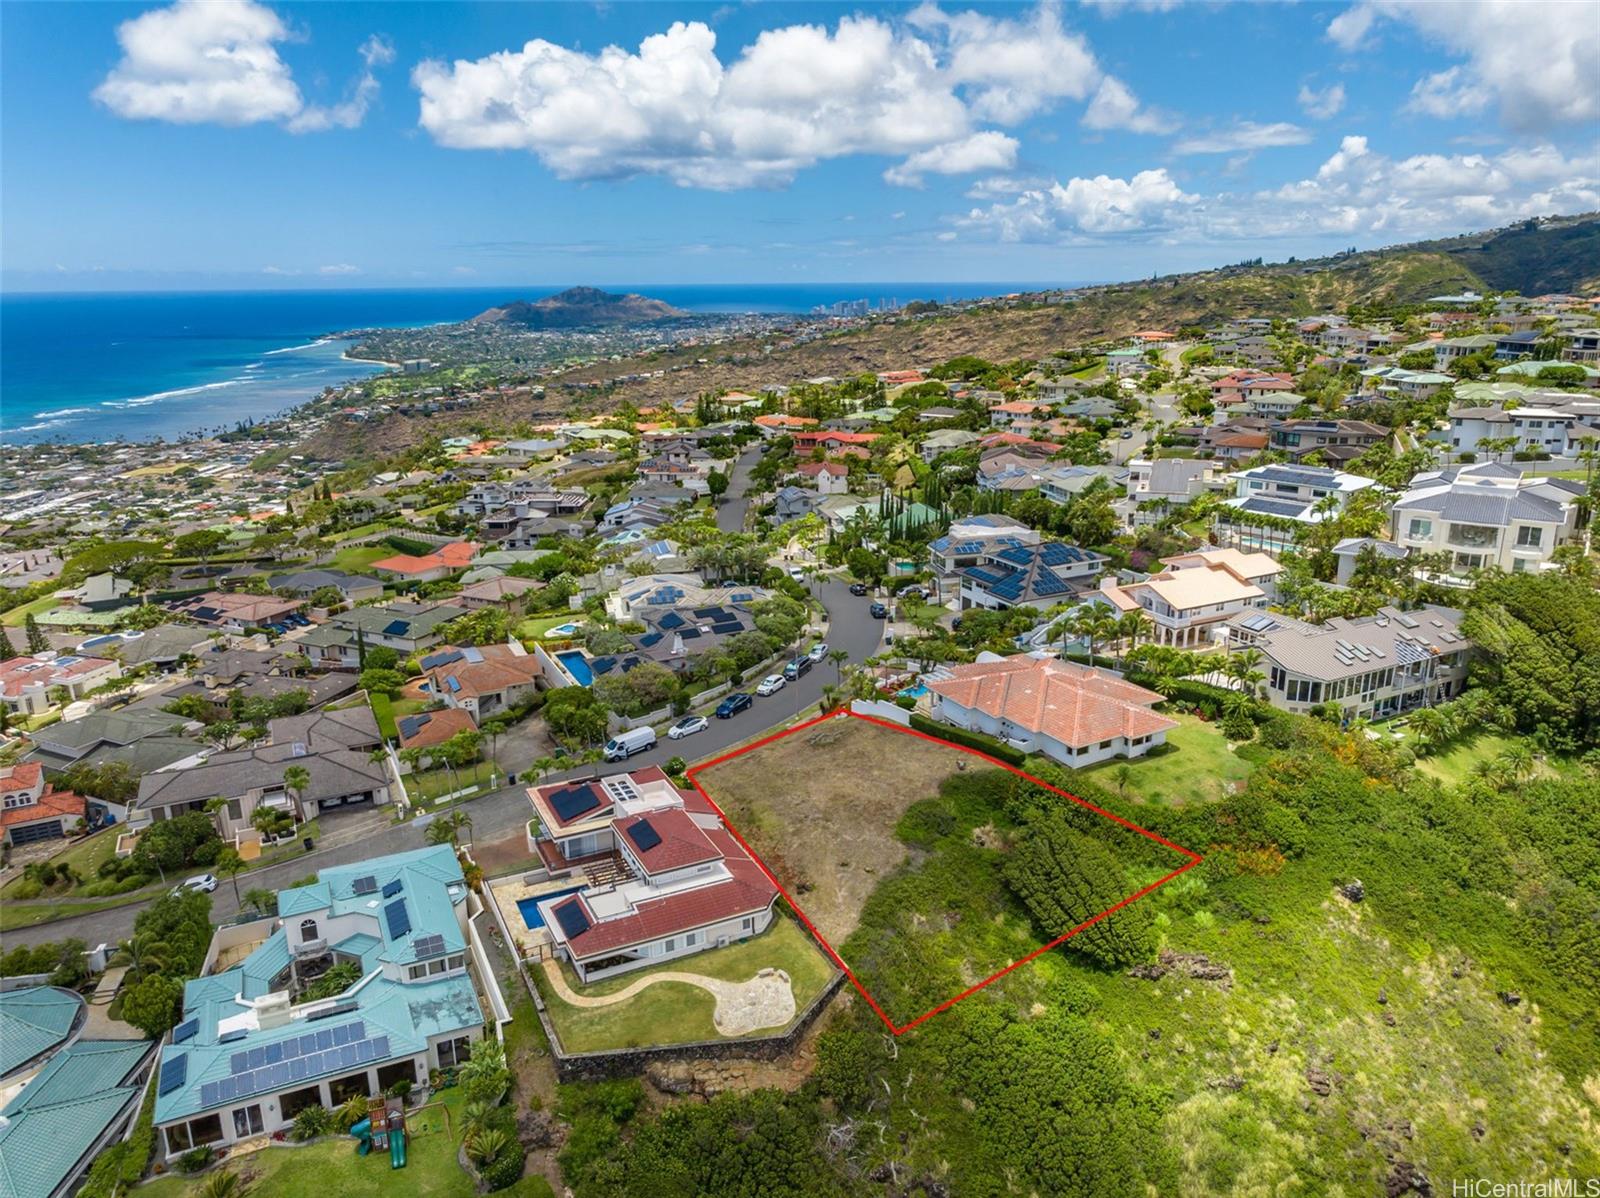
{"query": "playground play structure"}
(384, 1127)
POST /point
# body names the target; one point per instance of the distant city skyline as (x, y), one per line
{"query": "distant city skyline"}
(232, 144)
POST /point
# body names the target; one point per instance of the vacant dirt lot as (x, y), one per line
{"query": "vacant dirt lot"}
(820, 808)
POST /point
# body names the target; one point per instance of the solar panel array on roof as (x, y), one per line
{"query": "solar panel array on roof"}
(185, 1031)
(428, 946)
(297, 1059)
(412, 724)
(650, 640)
(365, 884)
(739, 597)
(174, 1072)
(397, 628)
(397, 918)
(231, 1037)
(390, 889)
(644, 835)
(728, 628)
(434, 660)
(671, 620)
(707, 613)
(570, 915)
(473, 655)
(453, 683)
(1257, 623)
(572, 801)
(1272, 507)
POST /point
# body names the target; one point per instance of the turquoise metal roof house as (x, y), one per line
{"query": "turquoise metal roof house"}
(32, 1022)
(74, 1106)
(248, 1056)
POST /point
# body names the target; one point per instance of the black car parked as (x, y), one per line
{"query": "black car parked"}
(858, 588)
(733, 705)
(880, 612)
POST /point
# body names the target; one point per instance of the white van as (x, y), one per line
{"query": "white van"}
(625, 744)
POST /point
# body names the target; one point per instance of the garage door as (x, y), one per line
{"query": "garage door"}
(30, 833)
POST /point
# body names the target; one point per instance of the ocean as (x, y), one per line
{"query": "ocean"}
(141, 366)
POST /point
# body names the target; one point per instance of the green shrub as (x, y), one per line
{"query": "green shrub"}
(505, 1170)
(312, 1122)
(1236, 725)
(196, 1159)
(28, 888)
(972, 740)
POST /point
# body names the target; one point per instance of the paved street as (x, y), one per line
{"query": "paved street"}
(851, 628)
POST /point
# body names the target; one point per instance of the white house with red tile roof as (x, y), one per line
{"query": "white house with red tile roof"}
(31, 809)
(776, 424)
(1074, 714)
(832, 478)
(26, 682)
(429, 567)
(664, 877)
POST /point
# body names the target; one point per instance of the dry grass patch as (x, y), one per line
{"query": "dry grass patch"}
(820, 808)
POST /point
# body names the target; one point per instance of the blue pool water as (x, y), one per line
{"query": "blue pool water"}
(530, 910)
(577, 665)
(913, 692)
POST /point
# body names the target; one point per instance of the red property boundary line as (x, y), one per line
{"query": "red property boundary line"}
(1194, 858)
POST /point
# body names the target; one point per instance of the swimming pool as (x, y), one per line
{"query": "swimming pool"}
(530, 906)
(561, 630)
(576, 664)
(913, 692)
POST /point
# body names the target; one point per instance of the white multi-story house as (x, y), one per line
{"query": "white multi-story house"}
(27, 683)
(972, 537)
(1073, 714)
(1372, 666)
(664, 877)
(1486, 516)
(1185, 606)
(1040, 576)
(1554, 428)
(1294, 492)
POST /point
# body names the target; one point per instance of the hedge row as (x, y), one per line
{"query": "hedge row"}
(972, 740)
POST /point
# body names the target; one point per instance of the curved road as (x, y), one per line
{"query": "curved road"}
(851, 628)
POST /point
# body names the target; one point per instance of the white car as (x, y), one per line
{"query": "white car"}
(770, 685)
(818, 652)
(199, 884)
(688, 726)
(796, 573)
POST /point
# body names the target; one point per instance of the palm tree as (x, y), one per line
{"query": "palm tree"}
(224, 1183)
(1519, 762)
(838, 657)
(446, 829)
(297, 778)
(1130, 627)
(263, 900)
(145, 953)
(230, 865)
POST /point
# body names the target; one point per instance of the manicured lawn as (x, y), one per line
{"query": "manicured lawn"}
(430, 784)
(354, 559)
(534, 627)
(331, 1168)
(675, 1012)
(85, 857)
(383, 712)
(1195, 764)
(15, 915)
(18, 615)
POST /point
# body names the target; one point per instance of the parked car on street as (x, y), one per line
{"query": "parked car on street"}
(625, 744)
(797, 667)
(199, 884)
(770, 685)
(688, 726)
(733, 705)
(880, 612)
(858, 588)
(818, 651)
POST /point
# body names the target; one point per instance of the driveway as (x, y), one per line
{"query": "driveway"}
(730, 512)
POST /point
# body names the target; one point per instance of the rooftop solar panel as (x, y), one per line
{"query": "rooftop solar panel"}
(391, 889)
(185, 1031)
(396, 628)
(429, 946)
(208, 1094)
(398, 919)
(174, 1072)
(644, 835)
(434, 660)
(412, 724)
(365, 884)
(572, 801)
(570, 915)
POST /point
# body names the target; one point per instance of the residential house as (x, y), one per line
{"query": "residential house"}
(333, 747)
(829, 478)
(483, 679)
(1583, 345)
(1555, 428)
(834, 442)
(972, 538)
(1350, 550)
(1023, 412)
(1370, 667)
(1508, 347)
(352, 588)
(30, 682)
(1247, 386)
(1186, 606)
(32, 809)
(792, 503)
(1004, 470)
(1486, 516)
(404, 626)
(236, 611)
(1156, 487)
(142, 738)
(428, 729)
(1258, 569)
(443, 562)
(1449, 349)
(1038, 576)
(1397, 380)
(633, 597)
(1305, 494)
(506, 593)
(79, 1103)
(1337, 442)
(776, 424)
(247, 1058)
(1072, 714)
(664, 878)
(1062, 483)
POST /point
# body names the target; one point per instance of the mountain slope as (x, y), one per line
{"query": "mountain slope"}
(579, 307)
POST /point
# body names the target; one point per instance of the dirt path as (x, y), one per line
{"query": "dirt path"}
(766, 1000)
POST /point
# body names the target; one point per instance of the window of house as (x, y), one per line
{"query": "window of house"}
(1420, 529)
(748, 923)
(690, 939)
(1105, 744)
(437, 965)
(671, 946)
(458, 961)
(235, 809)
(455, 1052)
(1529, 536)
(247, 1121)
(205, 1130)
(308, 930)
(417, 972)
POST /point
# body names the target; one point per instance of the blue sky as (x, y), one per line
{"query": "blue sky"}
(230, 143)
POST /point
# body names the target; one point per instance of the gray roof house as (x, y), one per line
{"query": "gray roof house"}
(1486, 516)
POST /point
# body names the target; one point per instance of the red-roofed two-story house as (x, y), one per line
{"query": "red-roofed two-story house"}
(31, 809)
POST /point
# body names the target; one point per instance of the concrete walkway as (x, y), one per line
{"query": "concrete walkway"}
(766, 1000)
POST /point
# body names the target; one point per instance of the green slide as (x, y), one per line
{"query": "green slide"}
(397, 1148)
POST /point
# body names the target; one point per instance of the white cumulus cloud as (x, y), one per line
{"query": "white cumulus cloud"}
(1098, 206)
(216, 62)
(1538, 62)
(919, 88)
(986, 151)
(1116, 107)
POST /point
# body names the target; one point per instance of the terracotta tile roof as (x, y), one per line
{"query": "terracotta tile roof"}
(499, 670)
(1073, 704)
(779, 420)
(455, 556)
(52, 803)
(24, 776)
(679, 841)
(429, 728)
(747, 892)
